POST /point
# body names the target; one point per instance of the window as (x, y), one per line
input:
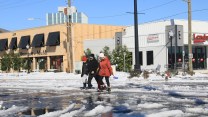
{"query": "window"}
(3, 44)
(38, 40)
(150, 57)
(13, 43)
(140, 58)
(24, 41)
(53, 39)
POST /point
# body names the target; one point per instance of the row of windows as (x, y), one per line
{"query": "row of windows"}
(150, 58)
(38, 41)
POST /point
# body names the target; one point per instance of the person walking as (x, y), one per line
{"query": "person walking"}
(105, 71)
(84, 73)
(92, 69)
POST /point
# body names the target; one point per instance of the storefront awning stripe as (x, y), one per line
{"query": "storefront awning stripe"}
(53, 39)
(13, 43)
(24, 41)
(3, 44)
(38, 40)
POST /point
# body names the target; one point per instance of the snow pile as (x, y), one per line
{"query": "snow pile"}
(150, 105)
(98, 110)
(1, 103)
(13, 110)
(171, 113)
(58, 113)
(197, 110)
(73, 113)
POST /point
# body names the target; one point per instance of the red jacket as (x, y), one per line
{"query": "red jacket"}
(105, 67)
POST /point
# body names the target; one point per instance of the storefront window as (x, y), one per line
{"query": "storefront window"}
(199, 57)
(140, 58)
(175, 59)
(150, 57)
(57, 62)
(42, 63)
(198, 60)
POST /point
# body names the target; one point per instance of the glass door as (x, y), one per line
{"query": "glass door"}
(199, 57)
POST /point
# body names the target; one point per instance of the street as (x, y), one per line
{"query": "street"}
(132, 99)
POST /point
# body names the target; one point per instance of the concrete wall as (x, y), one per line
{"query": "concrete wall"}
(97, 45)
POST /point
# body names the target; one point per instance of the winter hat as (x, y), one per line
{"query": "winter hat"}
(101, 55)
(92, 55)
(84, 58)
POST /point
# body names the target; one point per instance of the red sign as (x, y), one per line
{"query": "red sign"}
(200, 38)
(152, 38)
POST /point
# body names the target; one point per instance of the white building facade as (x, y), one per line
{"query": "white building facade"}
(60, 17)
(155, 48)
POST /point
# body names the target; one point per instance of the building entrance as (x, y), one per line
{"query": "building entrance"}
(199, 57)
(198, 60)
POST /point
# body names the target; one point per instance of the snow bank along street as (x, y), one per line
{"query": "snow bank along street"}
(59, 95)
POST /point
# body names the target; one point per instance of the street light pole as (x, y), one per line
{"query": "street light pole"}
(69, 47)
(189, 37)
(28, 71)
(137, 63)
(171, 47)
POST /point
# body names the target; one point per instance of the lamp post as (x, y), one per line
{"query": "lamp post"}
(28, 58)
(171, 47)
(137, 63)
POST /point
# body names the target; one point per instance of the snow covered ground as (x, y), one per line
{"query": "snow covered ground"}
(180, 96)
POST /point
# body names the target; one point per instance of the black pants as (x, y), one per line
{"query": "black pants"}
(90, 80)
(106, 79)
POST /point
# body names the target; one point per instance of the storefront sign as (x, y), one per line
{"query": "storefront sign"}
(152, 38)
(200, 38)
(44, 52)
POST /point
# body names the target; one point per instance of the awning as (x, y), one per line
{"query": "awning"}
(24, 41)
(38, 40)
(3, 44)
(53, 39)
(13, 43)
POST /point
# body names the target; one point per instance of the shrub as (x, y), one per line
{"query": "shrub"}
(134, 73)
(145, 74)
(191, 73)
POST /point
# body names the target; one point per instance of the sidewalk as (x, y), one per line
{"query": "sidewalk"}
(204, 71)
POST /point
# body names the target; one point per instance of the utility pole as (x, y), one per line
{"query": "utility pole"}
(137, 62)
(69, 39)
(190, 37)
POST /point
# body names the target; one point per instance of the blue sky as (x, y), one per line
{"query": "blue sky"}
(14, 13)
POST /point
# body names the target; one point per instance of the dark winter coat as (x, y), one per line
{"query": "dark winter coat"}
(105, 67)
(93, 66)
(84, 69)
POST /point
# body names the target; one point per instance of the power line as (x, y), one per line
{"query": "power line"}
(162, 18)
(122, 14)
(157, 6)
(185, 12)
(111, 16)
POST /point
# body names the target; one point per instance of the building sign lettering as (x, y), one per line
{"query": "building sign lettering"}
(200, 38)
(152, 38)
(44, 52)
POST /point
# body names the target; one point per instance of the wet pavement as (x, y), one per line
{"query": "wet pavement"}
(126, 100)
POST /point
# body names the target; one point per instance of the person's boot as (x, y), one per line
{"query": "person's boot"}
(108, 89)
(84, 85)
(103, 87)
(89, 86)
